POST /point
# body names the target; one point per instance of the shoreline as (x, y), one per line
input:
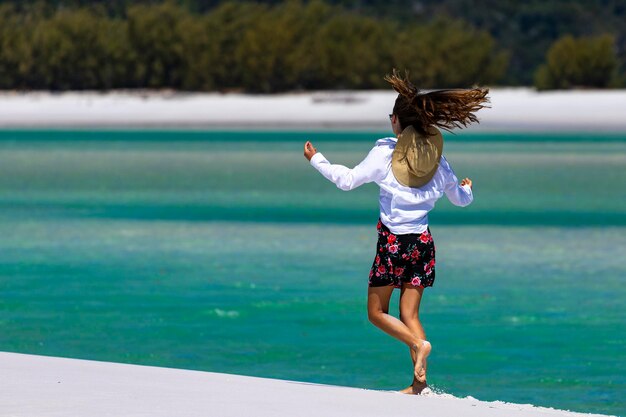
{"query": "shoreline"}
(513, 110)
(52, 386)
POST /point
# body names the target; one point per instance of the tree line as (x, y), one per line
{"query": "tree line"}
(257, 47)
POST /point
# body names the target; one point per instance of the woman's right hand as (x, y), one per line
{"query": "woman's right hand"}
(466, 181)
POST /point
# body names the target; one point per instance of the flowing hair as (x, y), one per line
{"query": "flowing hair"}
(446, 109)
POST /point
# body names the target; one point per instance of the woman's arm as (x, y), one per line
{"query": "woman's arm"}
(370, 169)
(459, 194)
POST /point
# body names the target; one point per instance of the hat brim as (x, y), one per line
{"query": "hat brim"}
(399, 163)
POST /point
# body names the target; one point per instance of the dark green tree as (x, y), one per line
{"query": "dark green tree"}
(449, 53)
(155, 37)
(16, 54)
(227, 25)
(355, 51)
(78, 49)
(236, 46)
(579, 62)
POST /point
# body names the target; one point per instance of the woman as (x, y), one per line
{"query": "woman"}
(412, 174)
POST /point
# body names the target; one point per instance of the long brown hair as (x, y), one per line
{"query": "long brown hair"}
(446, 109)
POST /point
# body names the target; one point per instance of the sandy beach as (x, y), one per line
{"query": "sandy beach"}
(513, 109)
(48, 386)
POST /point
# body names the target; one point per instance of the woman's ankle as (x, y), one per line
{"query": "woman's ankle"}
(416, 344)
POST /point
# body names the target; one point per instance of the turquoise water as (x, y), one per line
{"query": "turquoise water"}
(227, 252)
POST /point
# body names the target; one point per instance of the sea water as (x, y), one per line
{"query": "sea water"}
(228, 252)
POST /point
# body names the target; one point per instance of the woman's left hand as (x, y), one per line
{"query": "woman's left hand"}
(309, 150)
(466, 181)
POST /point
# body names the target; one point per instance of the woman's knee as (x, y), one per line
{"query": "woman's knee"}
(408, 315)
(374, 315)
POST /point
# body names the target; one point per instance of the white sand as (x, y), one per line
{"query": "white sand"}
(41, 386)
(512, 109)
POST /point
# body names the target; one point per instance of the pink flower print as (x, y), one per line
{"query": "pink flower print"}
(391, 239)
(415, 254)
(416, 281)
(385, 233)
(428, 269)
(425, 237)
(379, 225)
(431, 263)
(404, 256)
(393, 248)
(389, 262)
(371, 273)
(381, 269)
(377, 259)
(398, 270)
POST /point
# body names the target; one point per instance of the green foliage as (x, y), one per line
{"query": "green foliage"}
(154, 35)
(73, 49)
(235, 46)
(16, 56)
(579, 62)
(524, 30)
(448, 53)
(353, 51)
(77, 49)
(297, 46)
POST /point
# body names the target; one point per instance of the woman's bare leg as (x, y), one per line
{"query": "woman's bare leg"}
(410, 298)
(378, 314)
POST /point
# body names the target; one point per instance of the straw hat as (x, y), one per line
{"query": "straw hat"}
(415, 159)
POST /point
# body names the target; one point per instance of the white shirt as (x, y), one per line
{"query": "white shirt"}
(402, 209)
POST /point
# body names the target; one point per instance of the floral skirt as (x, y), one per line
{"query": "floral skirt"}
(406, 258)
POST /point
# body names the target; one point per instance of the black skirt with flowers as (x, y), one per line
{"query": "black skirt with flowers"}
(406, 258)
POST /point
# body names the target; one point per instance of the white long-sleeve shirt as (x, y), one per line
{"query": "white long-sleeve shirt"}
(402, 209)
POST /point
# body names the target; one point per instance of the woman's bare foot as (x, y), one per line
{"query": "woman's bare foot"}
(415, 389)
(418, 387)
(407, 390)
(422, 350)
